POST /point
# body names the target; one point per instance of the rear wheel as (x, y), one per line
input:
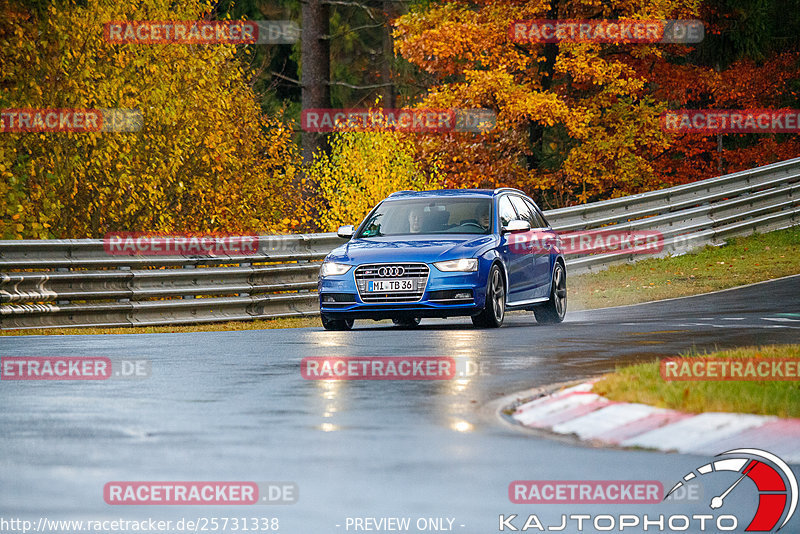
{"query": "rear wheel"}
(494, 309)
(407, 322)
(336, 324)
(554, 310)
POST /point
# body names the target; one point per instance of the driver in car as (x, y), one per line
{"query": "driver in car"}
(415, 221)
(484, 217)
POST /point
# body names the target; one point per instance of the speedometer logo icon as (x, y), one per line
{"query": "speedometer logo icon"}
(776, 484)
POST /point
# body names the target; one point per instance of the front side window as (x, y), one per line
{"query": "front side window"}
(506, 211)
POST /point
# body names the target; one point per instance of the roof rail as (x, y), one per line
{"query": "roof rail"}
(501, 189)
(403, 191)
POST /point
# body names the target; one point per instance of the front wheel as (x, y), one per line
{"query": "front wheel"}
(336, 324)
(494, 309)
(554, 310)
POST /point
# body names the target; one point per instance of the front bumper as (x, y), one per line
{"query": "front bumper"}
(340, 298)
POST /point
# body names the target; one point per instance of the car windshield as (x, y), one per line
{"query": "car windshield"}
(429, 216)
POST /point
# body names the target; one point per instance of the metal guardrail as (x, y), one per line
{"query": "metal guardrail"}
(66, 283)
(692, 215)
(57, 283)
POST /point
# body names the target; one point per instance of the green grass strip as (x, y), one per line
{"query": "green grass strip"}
(642, 383)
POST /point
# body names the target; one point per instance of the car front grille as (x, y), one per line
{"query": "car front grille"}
(418, 272)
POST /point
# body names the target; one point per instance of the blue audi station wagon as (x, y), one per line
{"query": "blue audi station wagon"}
(443, 254)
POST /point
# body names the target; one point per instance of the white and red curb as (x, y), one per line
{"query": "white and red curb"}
(580, 412)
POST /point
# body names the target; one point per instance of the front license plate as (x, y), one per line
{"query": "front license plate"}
(390, 285)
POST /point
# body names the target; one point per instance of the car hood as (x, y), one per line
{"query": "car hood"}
(410, 248)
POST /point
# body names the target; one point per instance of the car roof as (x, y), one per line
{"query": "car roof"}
(452, 193)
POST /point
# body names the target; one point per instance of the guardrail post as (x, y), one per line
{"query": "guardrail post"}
(61, 270)
(244, 265)
(186, 297)
(125, 268)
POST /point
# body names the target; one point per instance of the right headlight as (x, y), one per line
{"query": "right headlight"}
(330, 268)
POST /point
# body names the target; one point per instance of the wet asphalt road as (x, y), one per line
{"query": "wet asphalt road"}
(233, 406)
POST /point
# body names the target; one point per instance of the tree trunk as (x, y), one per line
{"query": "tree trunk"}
(547, 71)
(389, 93)
(315, 68)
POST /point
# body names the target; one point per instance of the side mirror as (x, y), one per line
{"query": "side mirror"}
(517, 225)
(346, 231)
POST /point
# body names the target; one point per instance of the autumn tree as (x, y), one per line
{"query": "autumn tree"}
(749, 59)
(206, 159)
(576, 121)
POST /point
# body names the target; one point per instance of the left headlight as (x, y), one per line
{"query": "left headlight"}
(465, 264)
(330, 268)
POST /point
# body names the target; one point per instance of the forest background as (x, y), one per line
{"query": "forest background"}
(221, 148)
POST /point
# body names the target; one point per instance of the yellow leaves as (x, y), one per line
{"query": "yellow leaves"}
(206, 157)
(362, 169)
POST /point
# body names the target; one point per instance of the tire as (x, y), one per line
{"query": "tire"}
(494, 310)
(336, 324)
(407, 322)
(554, 310)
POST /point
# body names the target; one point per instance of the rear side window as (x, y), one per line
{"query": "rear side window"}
(506, 211)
